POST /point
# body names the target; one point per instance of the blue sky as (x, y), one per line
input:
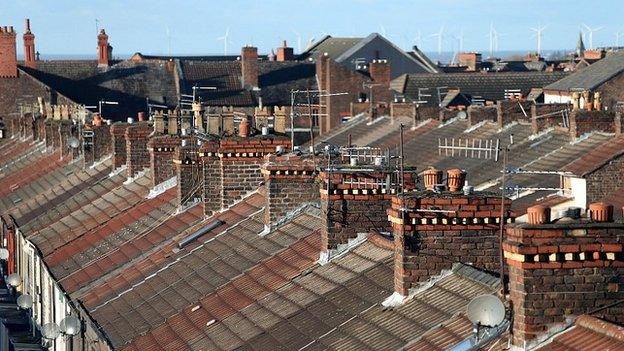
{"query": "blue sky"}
(68, 26)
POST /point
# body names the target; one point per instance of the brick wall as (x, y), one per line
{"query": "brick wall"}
(583, 121)
(442, 114)
(161, 153)
(211, 164)
(66, 130)
(428, 242)
(402, 109)
(478, 114)
(612, 91)
(606, 180)
(118, 140)
(561, 270)
(188, 172)
(290, 181)
(101, 145)
(137, 155)
(351, 206)
(8, 56)
(513, 111)
(542, 116)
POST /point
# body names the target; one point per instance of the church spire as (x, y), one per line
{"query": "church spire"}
(580, 46)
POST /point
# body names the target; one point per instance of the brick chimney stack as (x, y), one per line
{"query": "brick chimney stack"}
(472, 60)
(285, 53)
(8, 55)
(105, 51)
(380, 72)
(29, 47)
(249, 66)
(563, 269)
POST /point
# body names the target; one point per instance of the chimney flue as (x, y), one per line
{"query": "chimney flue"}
(8, 53)
(30, 59)
(249, 66)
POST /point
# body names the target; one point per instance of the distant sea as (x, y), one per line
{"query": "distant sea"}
(444, 57)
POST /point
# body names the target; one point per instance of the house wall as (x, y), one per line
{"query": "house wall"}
(606, 180)
(612, 91)
(379, 48)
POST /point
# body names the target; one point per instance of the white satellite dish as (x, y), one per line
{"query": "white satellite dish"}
(486, 310)
(73, 142)
(14, 280)
(4, 254)
(50, 331)
(70, 325)
(25, 301)
(461, 115)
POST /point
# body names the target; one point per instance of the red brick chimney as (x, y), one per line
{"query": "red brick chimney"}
(8, 55)
(354, 202)
(162, 150)
(472, 60)
(289, 182)
(563, 269)
(249, 66)
(105, 51)
(380, 72)
(232, 167)
(285, 53)
(188, 171)
(29, 47)
(137, 154)
(434, 230)
(118, 140)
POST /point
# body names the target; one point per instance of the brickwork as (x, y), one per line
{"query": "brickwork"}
(544, 116)
(612, 91)
(605, 181)
(290, 181)
(402, 109)
(137, 155)
(8, 54)
(285, 53)
(249, 66)
(561, 270)
(66, 130)
(442, 114)
(52, 137)
(118, 139)
(211, 164)
(464, 229)
(189, 174)
(29, 47)
(477, 114)
(352, 206)
(101, 145)
(104, 50)
(509, 111)
(161, 153)
(582, 121)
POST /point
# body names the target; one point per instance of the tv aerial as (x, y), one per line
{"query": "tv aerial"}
(486, 310)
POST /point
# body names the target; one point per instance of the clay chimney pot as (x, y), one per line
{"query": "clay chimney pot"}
(601, 212)
(455, 179)
(243, 128)
(538, 214)
(431, 177)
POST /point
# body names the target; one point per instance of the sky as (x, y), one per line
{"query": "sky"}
(69, 26)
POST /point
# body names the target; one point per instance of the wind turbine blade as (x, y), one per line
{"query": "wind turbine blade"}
(599, 28)
(586, 26)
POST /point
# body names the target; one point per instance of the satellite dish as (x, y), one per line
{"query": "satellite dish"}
(4, 254)
(73, 142)
(14, 280)
(70, 325)
(461, 115)
(50, 331)
(486, 310)
(25, 301)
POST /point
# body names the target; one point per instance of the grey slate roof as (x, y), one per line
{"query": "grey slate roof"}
(490, 86)
(334, 47)
(592, 76)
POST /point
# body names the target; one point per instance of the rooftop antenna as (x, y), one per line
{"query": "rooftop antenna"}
(538, 34)
(298, 35)
(225, 39)
(591, 34)
(440, 36)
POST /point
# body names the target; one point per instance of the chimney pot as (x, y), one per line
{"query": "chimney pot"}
(601, 212)
(455, 179)
(141, 116)
(431, 177)
(243, 128)
(538, 214)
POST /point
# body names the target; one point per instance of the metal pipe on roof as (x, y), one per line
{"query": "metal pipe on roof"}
(200, 233)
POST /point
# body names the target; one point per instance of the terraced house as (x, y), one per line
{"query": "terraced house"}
(194, 230)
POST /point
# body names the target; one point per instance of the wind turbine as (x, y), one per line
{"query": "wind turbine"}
(225, 40)
(168, 40)
(440, 36)
(618, 35)
(298, 40)
(460, 40)
(493, 37)
(591, 34)
(382, 29)
(418, 39)
(538, 34)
